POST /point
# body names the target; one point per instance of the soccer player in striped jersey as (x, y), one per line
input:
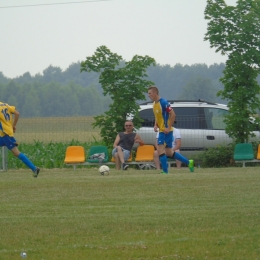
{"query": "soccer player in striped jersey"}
(164, 120)
(7, 130)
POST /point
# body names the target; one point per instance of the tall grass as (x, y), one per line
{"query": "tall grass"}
(46, 155)
(44, 140)
(208, 214)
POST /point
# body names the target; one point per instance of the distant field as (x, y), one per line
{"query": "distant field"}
(132, 215)
(56, 129)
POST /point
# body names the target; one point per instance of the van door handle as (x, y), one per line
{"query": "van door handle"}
(210, 137)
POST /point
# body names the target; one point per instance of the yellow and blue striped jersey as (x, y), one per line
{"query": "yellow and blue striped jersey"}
(161, 110)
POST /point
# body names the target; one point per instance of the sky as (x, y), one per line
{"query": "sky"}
(59, 34)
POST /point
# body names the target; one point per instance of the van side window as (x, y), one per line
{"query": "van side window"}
(148, 117)
(187, 118)
(215, 118)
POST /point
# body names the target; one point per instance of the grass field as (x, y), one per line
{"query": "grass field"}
(135, 214)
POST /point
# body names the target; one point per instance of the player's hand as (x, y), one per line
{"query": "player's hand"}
(166, 131)
(14, 129)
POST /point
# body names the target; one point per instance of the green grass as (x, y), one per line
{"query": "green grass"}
(208, 214)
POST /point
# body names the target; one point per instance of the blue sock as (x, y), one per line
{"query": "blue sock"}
(163, 160)
(181, 158)
(26, 161)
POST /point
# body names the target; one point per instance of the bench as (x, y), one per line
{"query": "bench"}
(75, 156)
(244, 153)
(247, 161)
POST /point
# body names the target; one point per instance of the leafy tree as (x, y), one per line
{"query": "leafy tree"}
(199, 88)
(90, 101)
(234, 31)
(69, 99)
(31, 107)
(3, 79)
(72, 73)
(53, 74)
(50, 103)
(124, 84)
(12, 100)
(25, 78)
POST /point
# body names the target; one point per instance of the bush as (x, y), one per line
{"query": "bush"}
(220, 156)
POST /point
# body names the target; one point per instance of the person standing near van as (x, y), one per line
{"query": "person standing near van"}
(164, 120)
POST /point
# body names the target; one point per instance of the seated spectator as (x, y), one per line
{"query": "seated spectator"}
(123, 145)
(176, 144)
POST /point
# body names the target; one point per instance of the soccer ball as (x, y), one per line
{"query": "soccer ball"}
(23, 254)
(104, 169)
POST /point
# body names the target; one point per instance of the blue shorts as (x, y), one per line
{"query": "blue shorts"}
(126, 153)
(166, 139)
(8, 141)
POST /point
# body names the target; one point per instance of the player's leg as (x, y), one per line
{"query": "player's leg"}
(26, 161)
(178, 163)
(166, 140)
(156, 160)
(181, 158)
(161, 152)
(126, 156)
(120, 154)
(11, 144)
(163, 160)
(117, 159)
(168, 152)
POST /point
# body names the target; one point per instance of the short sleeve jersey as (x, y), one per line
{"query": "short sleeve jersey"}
(161, 110)
(6, 119)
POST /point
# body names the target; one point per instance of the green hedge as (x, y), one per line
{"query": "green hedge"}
(222, 156)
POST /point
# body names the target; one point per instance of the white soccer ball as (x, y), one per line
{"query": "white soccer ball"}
(23, 255)
(104, 169)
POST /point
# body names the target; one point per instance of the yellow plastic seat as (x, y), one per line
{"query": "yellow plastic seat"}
(75, 154)
(144, 153)
(258, 153)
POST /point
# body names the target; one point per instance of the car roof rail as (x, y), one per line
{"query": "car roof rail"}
(182, 101)
(210, 103)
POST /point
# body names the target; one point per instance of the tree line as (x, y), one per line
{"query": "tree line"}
(37, 99)
(74, 93)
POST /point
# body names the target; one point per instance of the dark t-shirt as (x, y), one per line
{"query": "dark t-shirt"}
(127, 140)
